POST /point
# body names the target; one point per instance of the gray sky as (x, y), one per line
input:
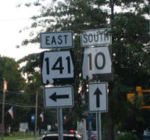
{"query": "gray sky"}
(13, 19)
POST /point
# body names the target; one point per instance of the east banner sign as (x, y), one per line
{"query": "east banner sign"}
(56, 40)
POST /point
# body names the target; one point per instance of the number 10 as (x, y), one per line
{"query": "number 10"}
(96, 61)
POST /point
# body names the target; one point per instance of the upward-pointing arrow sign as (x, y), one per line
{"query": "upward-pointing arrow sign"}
(97, 93)
(98, 100)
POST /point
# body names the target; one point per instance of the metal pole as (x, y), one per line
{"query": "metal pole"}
(89, 134)
(84, 130)
(90, 127)
(149, 27)
(36, 112)
(60, 123)
(3, 107)
(98, 125)
(149, 30)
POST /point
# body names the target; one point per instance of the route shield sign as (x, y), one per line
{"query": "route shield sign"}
(58, 97)
(98, 97)
(96, 61)
(57, 67)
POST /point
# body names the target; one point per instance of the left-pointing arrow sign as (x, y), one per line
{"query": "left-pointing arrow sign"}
(58, 97)
(54, 97)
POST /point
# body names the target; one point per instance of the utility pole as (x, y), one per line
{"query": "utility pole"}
(149, 27)
(3, 107)
(36, 112)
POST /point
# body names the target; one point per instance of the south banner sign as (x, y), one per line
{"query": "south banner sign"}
(96, 37)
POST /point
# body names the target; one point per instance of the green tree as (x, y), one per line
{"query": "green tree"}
(34, 86)
(75, 22)
(130, 60)
(128, 136)
(9, 69)
(130, 54)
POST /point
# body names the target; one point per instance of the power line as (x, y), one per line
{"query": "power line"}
(15, 92)
(19, 105)
(15, 19)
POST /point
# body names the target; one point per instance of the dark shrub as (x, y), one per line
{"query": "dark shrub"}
(127, 136)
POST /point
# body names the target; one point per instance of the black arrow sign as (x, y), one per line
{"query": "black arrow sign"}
(54, 97)
(97, 93)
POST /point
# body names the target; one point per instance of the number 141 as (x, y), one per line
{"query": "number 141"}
(58, 65)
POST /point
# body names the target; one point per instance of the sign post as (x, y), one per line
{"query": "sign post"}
(98, 103)
(56, 68)
(97, 63)
(60, 123)
(98, 125)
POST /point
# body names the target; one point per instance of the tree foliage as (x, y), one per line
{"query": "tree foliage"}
(130, 48)
(21, 94)
(128, 136)
(9, 70)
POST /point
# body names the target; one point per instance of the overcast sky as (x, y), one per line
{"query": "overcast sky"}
(13, 19)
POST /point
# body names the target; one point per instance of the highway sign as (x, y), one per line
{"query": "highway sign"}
(58, 97)
(98, 97)
(96, 61)
(56, 40)
(57, 66)
(96, 37)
